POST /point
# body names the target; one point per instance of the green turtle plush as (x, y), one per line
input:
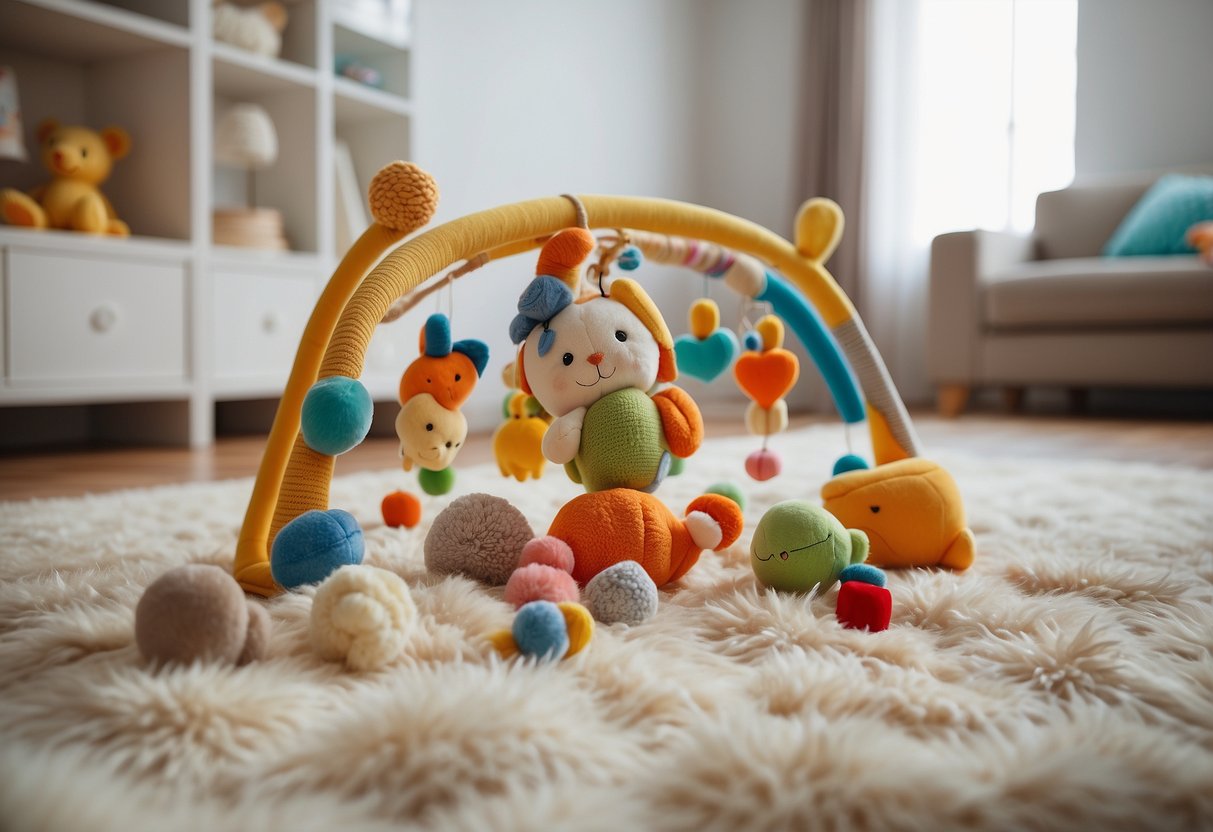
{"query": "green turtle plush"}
(798, 546)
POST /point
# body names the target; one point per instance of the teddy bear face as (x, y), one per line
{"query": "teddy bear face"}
(81, 154)
(594, 348)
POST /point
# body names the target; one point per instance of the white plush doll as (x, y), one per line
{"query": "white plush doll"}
(593, 363)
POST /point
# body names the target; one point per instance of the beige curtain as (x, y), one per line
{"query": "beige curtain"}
(832, 124)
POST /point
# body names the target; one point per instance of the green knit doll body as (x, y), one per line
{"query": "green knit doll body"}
(622, 444)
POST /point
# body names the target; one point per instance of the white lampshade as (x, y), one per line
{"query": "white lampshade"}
(245, 137)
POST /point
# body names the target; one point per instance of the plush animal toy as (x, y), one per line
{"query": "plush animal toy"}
(430, 426)
(799, 547)
(592, 363)
(910, 510)
(80, 159)
(518, 444)
(257, 29)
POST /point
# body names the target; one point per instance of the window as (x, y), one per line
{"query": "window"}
(993, 119)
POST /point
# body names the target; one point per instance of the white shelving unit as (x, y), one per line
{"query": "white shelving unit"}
(146, 335)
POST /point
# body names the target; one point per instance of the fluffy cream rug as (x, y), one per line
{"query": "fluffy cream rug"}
(1065, 681)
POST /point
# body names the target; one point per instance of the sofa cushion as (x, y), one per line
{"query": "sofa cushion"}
(1159, 220)
(1100, 292)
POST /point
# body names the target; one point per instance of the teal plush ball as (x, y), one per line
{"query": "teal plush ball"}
(730, 490)
(849, 462)
(313, 546)
(436, 483)
(336, 415)
(864, 573)
(540, 630)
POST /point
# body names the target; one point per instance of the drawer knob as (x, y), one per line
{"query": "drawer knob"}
(104, 318)
(269, 324)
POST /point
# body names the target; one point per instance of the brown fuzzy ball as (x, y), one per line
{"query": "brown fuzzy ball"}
(479, 536)
(199, 613)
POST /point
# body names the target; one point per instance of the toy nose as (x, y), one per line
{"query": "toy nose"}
(595, 359)
(58, 157)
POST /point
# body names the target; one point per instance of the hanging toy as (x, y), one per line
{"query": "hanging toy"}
(708, 350)
(430, 426)
(518, 443)
(766, 376)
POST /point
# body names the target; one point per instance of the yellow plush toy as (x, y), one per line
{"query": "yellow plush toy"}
(80, 159)
(910, 510)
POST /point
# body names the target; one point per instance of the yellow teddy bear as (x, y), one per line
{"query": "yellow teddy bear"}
(80, 160)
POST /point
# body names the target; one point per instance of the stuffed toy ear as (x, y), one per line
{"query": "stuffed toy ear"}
(629, 293)
(541, 301)
(47, 127)
(436, 336)
(477, 351)
(562, 255)
(117, 142)
(523, 385)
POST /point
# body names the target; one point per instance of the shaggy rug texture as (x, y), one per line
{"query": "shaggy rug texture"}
(1065, 681)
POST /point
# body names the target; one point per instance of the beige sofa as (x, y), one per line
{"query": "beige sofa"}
(1013, 311)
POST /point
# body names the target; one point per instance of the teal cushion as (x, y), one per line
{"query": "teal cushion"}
(1157, 223)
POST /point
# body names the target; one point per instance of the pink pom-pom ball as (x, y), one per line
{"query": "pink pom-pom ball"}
(539, 582)
(548, 550)
(762, 465)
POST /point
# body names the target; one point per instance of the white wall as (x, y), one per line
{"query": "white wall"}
(1144, 68)
(685, 99)
(518, 100)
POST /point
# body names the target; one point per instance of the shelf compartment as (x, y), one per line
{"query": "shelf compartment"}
(241, 74)
(150, 187)
(358, 102)
(289, 185)
(392, 62)
(80, 32)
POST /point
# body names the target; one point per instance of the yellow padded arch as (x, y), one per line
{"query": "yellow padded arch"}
(287, 488)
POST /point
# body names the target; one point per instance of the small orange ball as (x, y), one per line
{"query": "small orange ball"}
(401, 509)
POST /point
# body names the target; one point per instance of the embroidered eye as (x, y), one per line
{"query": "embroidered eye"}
(568, 358)
(620, 335)
(875, 509)
(84, 153)
(429, 381)
(458, 377)
(448, 444)
(429, 426)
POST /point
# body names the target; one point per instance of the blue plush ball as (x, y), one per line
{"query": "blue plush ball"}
(630, 259)
(336, 415)
(849, 462)
(752, 341)
(313, 546)
(864, 573)
(540, 630)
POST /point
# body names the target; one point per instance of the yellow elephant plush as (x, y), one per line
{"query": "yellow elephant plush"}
(80, 159)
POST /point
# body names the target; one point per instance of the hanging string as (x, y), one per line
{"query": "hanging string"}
(846, 429)
(404, 304)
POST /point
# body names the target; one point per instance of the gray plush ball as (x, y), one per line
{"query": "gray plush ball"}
(478, 536)
(199, 613)
(621, 593)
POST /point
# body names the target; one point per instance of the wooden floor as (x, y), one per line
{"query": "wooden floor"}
(74, 472)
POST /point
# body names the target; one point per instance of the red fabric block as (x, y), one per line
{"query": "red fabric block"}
(863, 605)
